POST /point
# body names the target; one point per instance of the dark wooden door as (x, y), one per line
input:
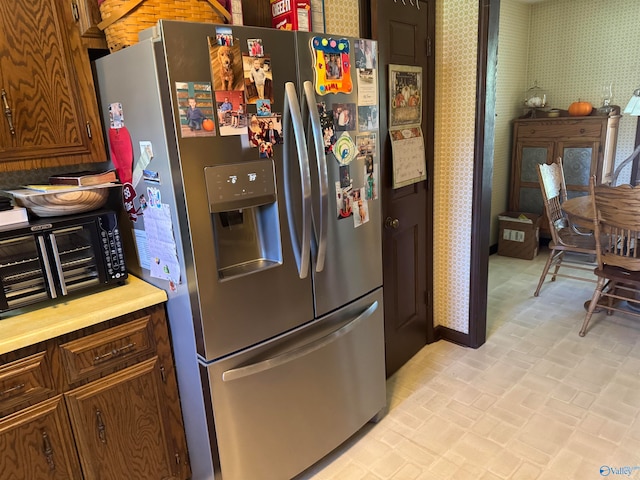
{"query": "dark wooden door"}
(405, 31)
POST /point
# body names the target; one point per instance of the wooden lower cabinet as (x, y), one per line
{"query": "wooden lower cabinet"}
(113, 417)
(114, 412)
(36, 443)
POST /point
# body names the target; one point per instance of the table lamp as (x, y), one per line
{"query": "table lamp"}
(633, 109)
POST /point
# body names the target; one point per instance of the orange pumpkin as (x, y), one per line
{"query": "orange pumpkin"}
(208, 125)
(580, 109)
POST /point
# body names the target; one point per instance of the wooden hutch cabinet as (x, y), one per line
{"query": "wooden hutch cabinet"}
(586, 144)
(48, 99)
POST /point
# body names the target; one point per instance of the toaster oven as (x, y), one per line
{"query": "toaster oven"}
(52, 258)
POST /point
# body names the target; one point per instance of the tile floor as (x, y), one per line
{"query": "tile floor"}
(535, 402)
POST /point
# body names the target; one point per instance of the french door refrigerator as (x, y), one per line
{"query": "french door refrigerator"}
(274, 288)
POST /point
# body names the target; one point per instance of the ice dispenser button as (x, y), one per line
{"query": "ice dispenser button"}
(240, 185)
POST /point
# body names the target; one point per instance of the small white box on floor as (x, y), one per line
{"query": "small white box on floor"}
(519, 235)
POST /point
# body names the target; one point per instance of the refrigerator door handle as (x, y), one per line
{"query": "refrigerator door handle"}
(318, 140)
(292, 118)
(270, 363)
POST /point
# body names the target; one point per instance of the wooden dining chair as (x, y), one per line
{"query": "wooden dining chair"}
(617, 230)
(564, 236)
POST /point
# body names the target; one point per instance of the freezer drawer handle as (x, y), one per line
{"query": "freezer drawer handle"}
(320, 223)
(237, 373)
(292, 116)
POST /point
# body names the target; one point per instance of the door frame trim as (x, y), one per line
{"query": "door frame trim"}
(488, 19)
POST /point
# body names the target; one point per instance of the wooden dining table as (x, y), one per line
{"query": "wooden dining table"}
(580, 210)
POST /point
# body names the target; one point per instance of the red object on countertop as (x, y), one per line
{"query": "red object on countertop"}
(121, 153)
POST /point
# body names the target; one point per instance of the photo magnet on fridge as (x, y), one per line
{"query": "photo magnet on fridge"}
(345, 177)
(258, 78)
(263, 107)
(360, 208)
(367, 118)
(116, 117)
(331, 65)
(224, 36)
(232, 112)
(226, 65)
(265, 129)
(196, 108)
(328, 128)
(255, 47)
(343, 201)
(345, 116)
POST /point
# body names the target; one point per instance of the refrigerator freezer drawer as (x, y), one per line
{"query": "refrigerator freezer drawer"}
(283, 405)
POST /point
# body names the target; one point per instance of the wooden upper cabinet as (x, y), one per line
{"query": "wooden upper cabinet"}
(86, 14)
(50, 112)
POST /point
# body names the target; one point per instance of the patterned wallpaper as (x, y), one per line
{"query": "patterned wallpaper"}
(571, 49)
(342, 17)
(513, 39)
(456, 52)
(577, 47)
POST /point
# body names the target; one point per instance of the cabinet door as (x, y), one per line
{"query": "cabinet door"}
(86, 14)
(48, 96)
(525, 192)
(579, 162)
(36, 443)
(120, 425)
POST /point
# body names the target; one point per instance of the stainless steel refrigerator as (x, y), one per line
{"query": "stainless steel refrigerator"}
(275, 297)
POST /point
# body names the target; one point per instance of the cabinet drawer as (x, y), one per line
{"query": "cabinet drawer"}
(108, 350)
(567, 130)
(25, 382)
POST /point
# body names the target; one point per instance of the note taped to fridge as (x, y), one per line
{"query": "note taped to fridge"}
(409, 165)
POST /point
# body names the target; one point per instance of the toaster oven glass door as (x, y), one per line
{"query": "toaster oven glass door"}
(74, 257)
(25, 278)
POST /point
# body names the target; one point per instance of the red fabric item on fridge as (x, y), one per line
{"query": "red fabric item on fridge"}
(122, 153)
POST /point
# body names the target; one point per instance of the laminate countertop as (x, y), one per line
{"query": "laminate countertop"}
(24, 327)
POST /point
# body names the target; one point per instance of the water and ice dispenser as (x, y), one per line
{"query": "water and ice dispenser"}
(244, 213)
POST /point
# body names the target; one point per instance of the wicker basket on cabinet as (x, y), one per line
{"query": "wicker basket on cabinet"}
(122, 20)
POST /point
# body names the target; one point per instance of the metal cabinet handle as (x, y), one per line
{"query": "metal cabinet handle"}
(102, 429)
(47, 450)
(12, 389)
(116, 352)
(7, 112)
